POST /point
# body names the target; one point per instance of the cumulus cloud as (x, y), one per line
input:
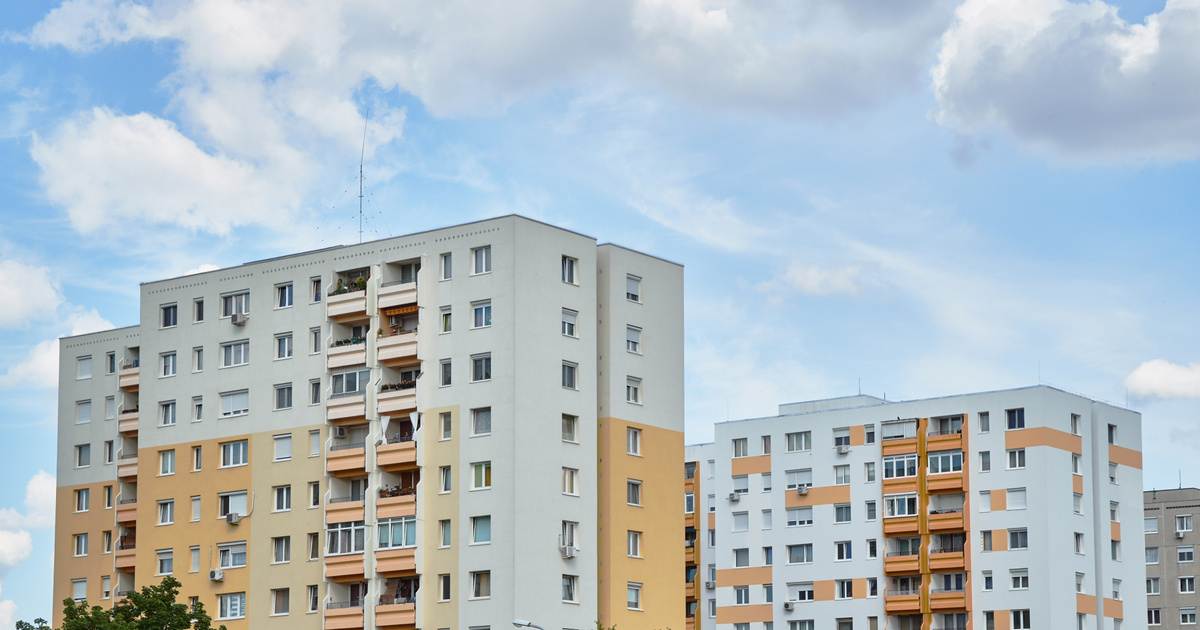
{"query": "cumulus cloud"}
(1163, 379)
(26, 291)
(38, 514)
(1074, 78)
(816, 280)
(39, 368)
(206, 267)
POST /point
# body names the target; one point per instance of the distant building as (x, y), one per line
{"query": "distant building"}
(429, 431)
(1002, 510)
(1171, 544)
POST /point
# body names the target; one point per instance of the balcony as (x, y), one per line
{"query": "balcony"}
(946, 520)
(901, 562)
(128, 376)
(343, 409)
(127, 467)
(396, 455)
(345, 568)
(399, 400)
(398, 350)
(689, 552)
(128, 423)
(945, 482)
(397, 294)
(948, 440)
(947, 560)
(898, 445)
(902, 602)
(344, 615)
(347, 353)
(347, 307)
(402, 614)
(345, 509)
(125, 555)
(689, 590)
(943, 601)
(900, 525)
(347, 460)
(394, 506)
(396, 562)
(127, 511)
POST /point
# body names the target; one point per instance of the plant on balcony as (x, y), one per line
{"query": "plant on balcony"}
(349, 341)
(405, 384)
(396, 491)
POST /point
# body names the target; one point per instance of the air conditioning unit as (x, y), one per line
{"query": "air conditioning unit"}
(710, 585)
(801, 490)
(568, 551)
(216, 575)
(1179, 535)
(339, 432)
(735, 497)
(233, 518)
(843, 449)
(788, 605)
(239, 319)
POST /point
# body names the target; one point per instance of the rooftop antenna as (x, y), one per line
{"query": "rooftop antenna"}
(362, 154)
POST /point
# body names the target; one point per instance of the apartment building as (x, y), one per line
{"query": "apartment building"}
(1171, 557)
(450, 429)
(996, 510)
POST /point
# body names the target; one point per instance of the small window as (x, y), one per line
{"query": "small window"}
(481, 530)
(83, 455)
(1016, 419)
(740, 449)
(166, 462)
(633, 441)
(166, 512)
(197, 310)
(283, 346)
(83, 368)
(447, 266)
(633, 492)
(110, 363)
(633, 288)
(569, 375)
(570, 427)
(314, 289)
(169, 364)
(197, 458)
(235, 303)
(481, 584)
(444, 372)
(1150, 525)
(481, 368)
(314, 339)
(446, 480)
(481, 260)
(481, 314)
(166, 561)
(170, 316)
(634, 596)
(1112, 434)
(283, 498)
(633, 390)
(166, 414)
(283, 447)
(283, 295)
(569, 319)
(235, 404)
(481, 475)
(83, 412)
(568, 270)
(570, 588)
(634, 544)
(283, 396)
(447, 425)
(314, 392)
(633, 339)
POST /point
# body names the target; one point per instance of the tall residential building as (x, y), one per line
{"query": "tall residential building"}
(430, 431)
(997, 510)
(1171, 557)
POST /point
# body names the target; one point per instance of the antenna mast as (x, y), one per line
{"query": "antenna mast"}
(361, 156)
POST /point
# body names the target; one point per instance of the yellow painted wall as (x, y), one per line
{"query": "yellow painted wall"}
(96, 564)
(431, 509)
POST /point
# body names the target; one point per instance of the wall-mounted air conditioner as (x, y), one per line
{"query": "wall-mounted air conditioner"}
(216, 575)
(788, 605)
(843, 449)
(239, 319)
(735, 497)
(801, 490)
(233, 518)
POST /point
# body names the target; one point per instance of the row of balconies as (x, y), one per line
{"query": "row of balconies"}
(352, 305)
(946, 521)
(910, 601)
(350, 460)
(940, 560)
(349, 615)
(352, 408)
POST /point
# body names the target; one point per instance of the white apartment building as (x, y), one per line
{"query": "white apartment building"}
(428, 431)
(995, 510)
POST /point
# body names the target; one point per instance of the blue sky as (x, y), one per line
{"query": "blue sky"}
(932, 196)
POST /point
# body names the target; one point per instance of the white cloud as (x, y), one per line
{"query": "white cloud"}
(39, 368)
(1074, 78)
(1163, 379)
(8, 614)
(26, 292)
(206, 267)
(40, 492)
(816, 280)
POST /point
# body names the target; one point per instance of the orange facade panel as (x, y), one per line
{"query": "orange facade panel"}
(947, 442)
(948, 521)
(744, 614)
(1114, 609)
(901, 525)
(395, 507)
(899, 447)
(819, 495)
(127, 512)
(396, 402)
(346, 356)
(343, 618)
(1085, 604)
(902, 565)
(1043, 436)
(954, 600)
(396, 457)
(748, 575)
(751, 465)
(902, 604)
(902, 485)
(949, 482)
(999, 499)
(345, 512)
(397, 350)
(396, 615)
(1115, 530)
(1077, 484)
(347, 462)
(947, 561)
(1125, 456)
(392, 562)
(344, 568)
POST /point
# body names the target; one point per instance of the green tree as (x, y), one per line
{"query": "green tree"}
(154, 608)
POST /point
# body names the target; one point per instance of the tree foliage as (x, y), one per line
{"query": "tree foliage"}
(154, 608)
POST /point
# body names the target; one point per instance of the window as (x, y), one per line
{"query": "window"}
(1112, 473)
(166, 462)
(633, 390)
(281, 549)
(1018, 539)
(314, 494)
(1150, 525)
(1076, 464)
(633, 492)
(235, 454)
(109, 451)
(170, 316)
(1016, 419)
(108, 497)
(689, 503)
(841, 475)
(283, 396)
(570, 584)
(169, 363)
(314, 546)
(742, 597)
(843, 589)
(870, 510)
(1185, 553)
(235, 353)
(81, 545)
(1079, 546)
(283, 295)
(841, 513)
(766, 482)
(895, 466)
(899, 505)
(195, 509)
(231, 502)
(1153, 617)
(1016, 499)
(348, 537)
(110, 363)
(283, 498)
(283, 447)
(481, 314)
(283, 346)
(799, 516)
(79, 589)
(110, 408)
(1078, 503)
(1079, 577)
(166, 414)
(633, 288)
(570, 481)
(1112, 434)
(444, 534)
(945, 462)
(280, 598)
(353, 382)
(481, 584)
(83, 455)
(83, 412)
(568, 270)
(1187, 585)
(801, 592)
(634, 544)
(106, 587)
(633, 441)
(1187, 616)
(741, 558)
(843, 550)
(800, 554)
(314, 337)
(166, 512)
(314, 443)
(481, 475)
(570, 425)
(798, 478)
(739, 447)
(481, 530)
(569, 318)
(869, 472)
(445, 477)
(633, 339)
(481, 259)
(801, 441)
(314, 288)
(1183, 523)
(481, 368)
(872, 548)
(1020, 579)
(741, 484)
(166, 561)
(231, 606)
(444, 371)
(1152, 586)
(741, 521)
(235, 303)
(1016, 459)
(231, 555)
(197, 359)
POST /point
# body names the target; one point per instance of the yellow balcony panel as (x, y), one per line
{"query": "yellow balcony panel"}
(902, 603)
(947, 561)
(127, 467)
(396, 507)
(125, 559)
(396, 615)
(944, 441)
(343, 618)
(346, 461)
(900, 525)
(346, 356)
(689, 555)
(946, 521)
(396, 402)
(397, 457)
(345, 510)
(128, 423)
(343, 410)
(689, 590)
(899, 447)
(690, 624)
(949, 482)
(398, 350)
(396, 562)
(901, 565)
(900, 485)
(347, 307)
(396, 294)
(946, 601)
(127, 512)
(128, 378)
(344, 568)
